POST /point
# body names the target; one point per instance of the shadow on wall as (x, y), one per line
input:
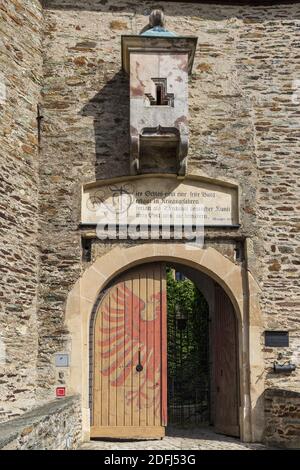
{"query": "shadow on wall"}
(110, 111)
(204, 9)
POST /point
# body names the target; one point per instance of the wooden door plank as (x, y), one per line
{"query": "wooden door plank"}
(135, 382)
(113, 358)
(128, 360)
(157, 347)
(143, 347)
(120, 408)
(163, 340)
(149, 364)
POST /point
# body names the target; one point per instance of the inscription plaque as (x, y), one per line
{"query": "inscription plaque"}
(219, 201)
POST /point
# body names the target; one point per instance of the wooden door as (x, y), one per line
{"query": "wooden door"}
(225, 364)
(130, 357)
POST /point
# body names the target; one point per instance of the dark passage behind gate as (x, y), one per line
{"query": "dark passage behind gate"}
(188, 352)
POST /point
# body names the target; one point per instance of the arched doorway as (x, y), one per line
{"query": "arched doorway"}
(236, 281)
(143, 350)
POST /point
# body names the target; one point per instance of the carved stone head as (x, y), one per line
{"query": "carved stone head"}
(157, 18)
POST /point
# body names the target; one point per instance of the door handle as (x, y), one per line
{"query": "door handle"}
(139, 366)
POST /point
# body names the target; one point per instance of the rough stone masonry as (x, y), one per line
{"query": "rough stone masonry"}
(244, 99)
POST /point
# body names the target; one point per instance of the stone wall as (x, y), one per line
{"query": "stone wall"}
(21, 23)
(243, 128)
(276, 98)
(56, 426)
(282, 418)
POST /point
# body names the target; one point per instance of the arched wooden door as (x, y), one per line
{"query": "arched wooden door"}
(225, 364)
(129, 356)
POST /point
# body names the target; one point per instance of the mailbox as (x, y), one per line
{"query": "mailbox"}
(284, 368)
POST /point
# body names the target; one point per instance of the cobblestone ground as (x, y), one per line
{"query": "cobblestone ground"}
(177, 439)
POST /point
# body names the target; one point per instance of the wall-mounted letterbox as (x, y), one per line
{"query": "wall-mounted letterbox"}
(286, 368)
(277, 339)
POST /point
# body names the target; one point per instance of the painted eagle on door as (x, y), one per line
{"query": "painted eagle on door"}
(130, 337)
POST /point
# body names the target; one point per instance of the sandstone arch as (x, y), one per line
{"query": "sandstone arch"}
(237, 283)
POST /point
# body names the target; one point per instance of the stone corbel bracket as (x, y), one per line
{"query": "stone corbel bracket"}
(158, 68)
